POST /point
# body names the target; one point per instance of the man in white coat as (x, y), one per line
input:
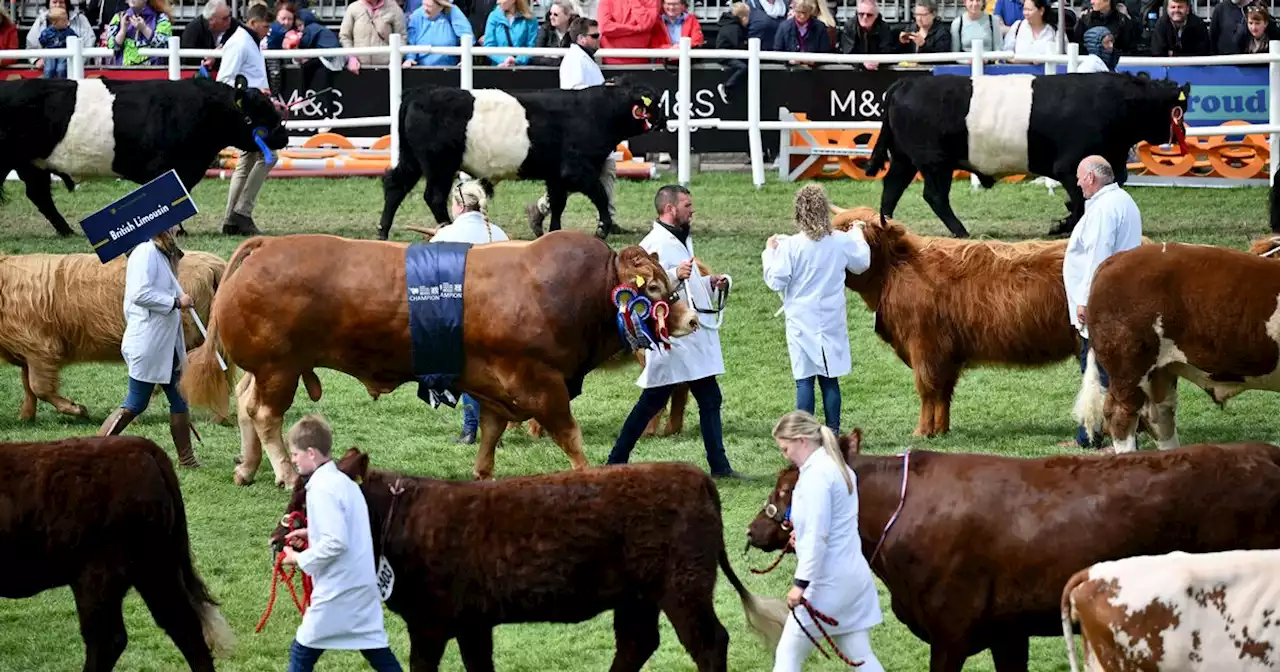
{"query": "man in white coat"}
(346, 605)
(694, 359)
(241, 55)
(1111, 224)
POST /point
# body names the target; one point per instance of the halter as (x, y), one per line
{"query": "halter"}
(1177, 134)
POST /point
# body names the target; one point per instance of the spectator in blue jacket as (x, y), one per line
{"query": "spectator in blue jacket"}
(439, 24)
(803, 33)
(510, 24)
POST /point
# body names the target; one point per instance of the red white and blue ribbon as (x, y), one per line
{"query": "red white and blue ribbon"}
(634, 311)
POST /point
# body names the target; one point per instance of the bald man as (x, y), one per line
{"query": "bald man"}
(1111, 224)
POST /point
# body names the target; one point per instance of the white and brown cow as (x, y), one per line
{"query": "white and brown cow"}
(1180, 611)
(1163, 311)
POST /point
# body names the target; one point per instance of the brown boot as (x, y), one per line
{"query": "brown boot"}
(116, 422)
(180, 429)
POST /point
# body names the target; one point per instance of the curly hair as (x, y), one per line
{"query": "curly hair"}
(813, 212)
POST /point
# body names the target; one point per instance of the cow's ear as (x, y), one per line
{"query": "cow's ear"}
(654, 257)
(242, 82)
(853, 444)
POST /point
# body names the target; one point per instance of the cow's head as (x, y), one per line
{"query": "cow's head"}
(642, 275)
(354, 464)
(643, 103)
(260, 118)
(771, 529)
(1160, 108)
(887, 238)
(1266, 247)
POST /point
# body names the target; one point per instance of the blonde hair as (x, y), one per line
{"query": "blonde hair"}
(813, 212)
(522, 7)
(312, 431)
(470, 197)
(740, 9)
(802, 425)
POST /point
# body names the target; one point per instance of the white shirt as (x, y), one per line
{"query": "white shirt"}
(810, 275)
(346, 607)
(1023, 41)
(829, 549)
(1111, 224)
(153, 326)
(1091, 63)
(470, 227)
(241, 56)
(578, 70)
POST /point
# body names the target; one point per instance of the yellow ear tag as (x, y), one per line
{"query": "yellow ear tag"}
(1182, 96)
(639, 281)
(647, 100)
(359, 480)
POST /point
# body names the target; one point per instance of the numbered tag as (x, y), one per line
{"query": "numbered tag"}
(386, 577)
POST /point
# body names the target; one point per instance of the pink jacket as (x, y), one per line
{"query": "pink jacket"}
(630, 24)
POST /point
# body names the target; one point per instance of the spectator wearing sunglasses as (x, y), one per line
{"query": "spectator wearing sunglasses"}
(1180, 32)
(868, 35)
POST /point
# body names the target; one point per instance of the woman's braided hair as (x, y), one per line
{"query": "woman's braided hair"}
(470, 197)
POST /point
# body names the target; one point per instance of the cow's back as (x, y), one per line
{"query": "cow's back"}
(928, 117)
(61, 307)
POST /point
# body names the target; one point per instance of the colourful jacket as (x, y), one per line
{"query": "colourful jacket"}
(519, 32)
(631, 24)
(127, 53)
(445, 30)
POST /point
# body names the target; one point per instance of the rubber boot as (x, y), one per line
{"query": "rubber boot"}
(180, 430)
(116, 422)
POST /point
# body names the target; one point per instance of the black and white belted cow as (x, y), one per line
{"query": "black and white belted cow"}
(1001, 125)
(137, 130)
(561, 137)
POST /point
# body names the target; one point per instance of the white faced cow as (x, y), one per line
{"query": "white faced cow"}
(1002, 125)
(137, 130)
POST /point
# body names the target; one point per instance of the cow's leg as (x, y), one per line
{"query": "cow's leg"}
(273, 393)
(946, 658)
(693, 617)
(895, 183)
(396, 185)
(945, 378)
(250, 443)
(492, 427)
(42, 376)
(1066, 174)
(440, 175)
(676, 410)
(161, 587)
(557, 196)
(635, 629)
(937, 193)
(1012, 654)
(931, 380)
(40, 192)
(1123, 403)
(426, 648)
(1163, 406)
(651, 429)
(99, 595)
(28, 411)
(475, 645)
(595, 191)
(564, 430)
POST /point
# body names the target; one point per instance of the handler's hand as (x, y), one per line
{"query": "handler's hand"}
(1080, 314)
(184, 301)
(297, 537)
(794, 596)
(684, 269)
(772, 243)
(719, 282)
(290, 556)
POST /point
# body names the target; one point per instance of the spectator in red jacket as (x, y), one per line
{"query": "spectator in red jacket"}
(8, 36)
(678, 22)
(630, 24)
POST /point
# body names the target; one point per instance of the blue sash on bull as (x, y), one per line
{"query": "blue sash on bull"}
(634, 312)
(433, 277)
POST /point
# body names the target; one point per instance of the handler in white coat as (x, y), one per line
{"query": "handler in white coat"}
(831, 573)
(346, 606)
(153, 344)
(809, 271)
(694, 359)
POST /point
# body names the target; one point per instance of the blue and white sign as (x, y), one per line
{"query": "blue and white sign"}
(160, 204)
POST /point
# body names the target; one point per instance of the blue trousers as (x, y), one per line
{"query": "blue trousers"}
(1082, 437)
(706, 392)
(139, 395)
(805, 399)
(55, 68)
(470, 414)
(303, 658)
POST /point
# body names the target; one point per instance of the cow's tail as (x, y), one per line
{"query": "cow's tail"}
(1069, 617)
(204, 383)
(1088, 409)
(766, 616)
(880, 154)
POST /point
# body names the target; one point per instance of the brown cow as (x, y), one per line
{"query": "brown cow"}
(634, 539)
(983, 545)
(1160, 312)
(103, 515)
(291, 304)
(60, 309)
(1178, 611)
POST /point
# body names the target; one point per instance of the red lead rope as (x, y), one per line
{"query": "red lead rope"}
(292, 521)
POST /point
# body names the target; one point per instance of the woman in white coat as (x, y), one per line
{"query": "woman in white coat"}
(831, 573)
(153, 345)
(809, 271)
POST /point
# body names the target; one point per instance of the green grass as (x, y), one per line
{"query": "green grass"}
(1023, 413)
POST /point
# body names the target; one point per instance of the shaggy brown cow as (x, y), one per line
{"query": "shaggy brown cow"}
(983, 544)
(1268, 246)
(103, 515)
(291, 304)
(634, 539)
(1160, 312)
(60, 309)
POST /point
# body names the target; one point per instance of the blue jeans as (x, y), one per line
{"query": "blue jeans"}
(830, 399)
(470, 414)
(139, 395)
(706, 392)
(1082, 437)
(55, 68)
(303, 658)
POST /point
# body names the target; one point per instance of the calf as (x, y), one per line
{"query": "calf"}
(466, 556)
(976, 553)
(562, 137)
(1179, 611)
(103, 515)
(137, 130)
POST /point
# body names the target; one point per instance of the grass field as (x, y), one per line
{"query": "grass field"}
(1022, 413)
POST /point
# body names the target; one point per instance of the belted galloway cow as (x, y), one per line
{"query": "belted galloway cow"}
(975, 554)
(516, 324)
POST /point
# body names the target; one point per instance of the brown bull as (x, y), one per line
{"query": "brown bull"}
(103, 515)
(981, 549)
(61, 309)
(538, 318)
(640, 539)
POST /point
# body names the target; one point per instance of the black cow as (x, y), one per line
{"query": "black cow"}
(137, 130)
(1002, 125)
(562, 137)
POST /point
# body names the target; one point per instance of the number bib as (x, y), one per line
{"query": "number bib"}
(386, 577)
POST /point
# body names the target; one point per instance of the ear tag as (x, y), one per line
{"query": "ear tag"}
(647, 100)
(1182, 96)
(359, 480)
(639, 281)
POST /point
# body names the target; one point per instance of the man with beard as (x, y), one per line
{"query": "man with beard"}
(1180, 32)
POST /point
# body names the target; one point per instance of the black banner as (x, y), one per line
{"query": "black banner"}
(832, 93)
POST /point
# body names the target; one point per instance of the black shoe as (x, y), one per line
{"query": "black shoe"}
(466, 437)
(601, 233)
(240, 225)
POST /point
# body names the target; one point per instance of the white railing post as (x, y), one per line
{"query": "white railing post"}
(683, 98)
(465, 62)
(975, 67)
(396, 75)
(1073, 56)
(175, 63)
(1273, 110)
(75, 64)
(753, 112)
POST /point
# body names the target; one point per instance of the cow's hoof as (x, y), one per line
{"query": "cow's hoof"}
(79, 411)
(535, 216)
(26, 415)
(242, 478)
(602, 233)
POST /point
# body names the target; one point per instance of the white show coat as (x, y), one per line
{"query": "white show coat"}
(694, 356)
(346, 607)
(469, 227)
(578, 69)
(810, 275)
(241, 56)
(829, 550)
(153, 323)
(1111, 224)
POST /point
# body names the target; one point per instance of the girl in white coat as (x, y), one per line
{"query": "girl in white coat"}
(809, 271)
(153, 345)
(831, 573)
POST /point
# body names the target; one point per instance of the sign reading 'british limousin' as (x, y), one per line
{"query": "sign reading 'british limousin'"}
(160, 204)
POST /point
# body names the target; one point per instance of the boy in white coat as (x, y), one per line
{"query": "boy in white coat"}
(809, 271)
(831, 573)
(346, 606)
(693, 359)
